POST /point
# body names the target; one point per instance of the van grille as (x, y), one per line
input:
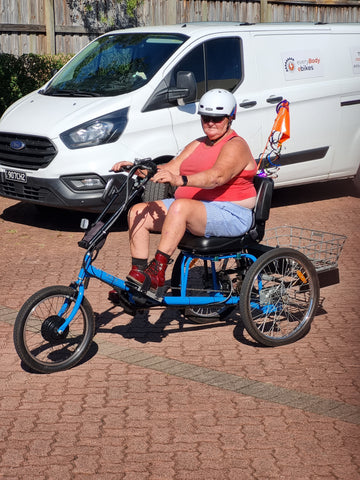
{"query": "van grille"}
(23, 192)
(36, 153)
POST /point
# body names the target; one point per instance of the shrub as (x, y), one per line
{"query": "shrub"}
(21, 75)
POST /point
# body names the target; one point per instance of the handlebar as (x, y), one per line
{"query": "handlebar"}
(146, 164)
(142, 164)
(112, 190)
(115, 184)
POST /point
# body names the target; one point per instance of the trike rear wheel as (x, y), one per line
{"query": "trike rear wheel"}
(279, 297)
(37, 340)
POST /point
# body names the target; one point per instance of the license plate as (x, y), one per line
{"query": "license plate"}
(14, 176)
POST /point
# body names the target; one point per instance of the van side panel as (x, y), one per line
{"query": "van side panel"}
(347, 159)
(313, 71)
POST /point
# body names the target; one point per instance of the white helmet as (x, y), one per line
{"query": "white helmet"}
(217, 103)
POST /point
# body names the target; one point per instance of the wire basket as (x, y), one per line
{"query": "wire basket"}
(322, 248)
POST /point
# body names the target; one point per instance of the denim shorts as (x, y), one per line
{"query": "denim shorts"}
(223, 219)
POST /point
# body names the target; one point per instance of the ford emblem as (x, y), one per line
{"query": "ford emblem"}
(17, 145)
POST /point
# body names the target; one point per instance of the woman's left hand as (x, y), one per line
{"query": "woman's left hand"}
(165, 176)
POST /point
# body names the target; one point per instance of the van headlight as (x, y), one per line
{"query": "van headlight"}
(79, 183)
(105, 129)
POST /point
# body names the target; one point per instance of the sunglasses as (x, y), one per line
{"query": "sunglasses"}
(208, 118)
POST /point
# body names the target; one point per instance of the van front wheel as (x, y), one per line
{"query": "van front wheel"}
(157, 191)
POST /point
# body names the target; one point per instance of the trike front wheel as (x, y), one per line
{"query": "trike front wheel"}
(279, 297)
(36, 331)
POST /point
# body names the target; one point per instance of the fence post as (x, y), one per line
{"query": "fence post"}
(265, 14)
(50, 27)
(171, 12)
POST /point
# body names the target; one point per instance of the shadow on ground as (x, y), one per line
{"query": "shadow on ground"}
(52, 218)
(140, 329)
(314, 192)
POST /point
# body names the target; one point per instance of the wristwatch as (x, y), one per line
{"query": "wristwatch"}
(185, 180)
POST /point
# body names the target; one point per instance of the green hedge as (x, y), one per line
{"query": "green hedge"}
(21, 75)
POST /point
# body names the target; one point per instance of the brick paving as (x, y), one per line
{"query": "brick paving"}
(160, 399)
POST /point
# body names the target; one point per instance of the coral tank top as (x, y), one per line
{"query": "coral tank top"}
(203, 158)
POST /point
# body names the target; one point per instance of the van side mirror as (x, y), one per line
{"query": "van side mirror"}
(185, 90)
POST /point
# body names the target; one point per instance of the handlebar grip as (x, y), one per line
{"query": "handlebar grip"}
(147, 164)
(141, 161)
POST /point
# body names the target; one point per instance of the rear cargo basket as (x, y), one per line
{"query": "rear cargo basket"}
(322, 248)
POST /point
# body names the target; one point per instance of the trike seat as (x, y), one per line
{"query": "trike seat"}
(214, 245)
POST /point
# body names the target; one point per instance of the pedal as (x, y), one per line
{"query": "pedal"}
(119, 298)
(154, 295)
(113, 297)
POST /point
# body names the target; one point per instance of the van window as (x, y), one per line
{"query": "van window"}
(223, 63)
(193, 62)
(115, 64)
(215, 64)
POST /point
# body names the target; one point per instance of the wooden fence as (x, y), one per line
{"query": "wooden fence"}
(65, 26)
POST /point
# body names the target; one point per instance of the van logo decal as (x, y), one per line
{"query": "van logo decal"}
(17, 145)
(289, 64)
(355, 55)
(302, 64)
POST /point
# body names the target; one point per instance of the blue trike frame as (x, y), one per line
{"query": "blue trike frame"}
(89, 271)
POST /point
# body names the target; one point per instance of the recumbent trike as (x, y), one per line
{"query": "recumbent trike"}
(275, 289)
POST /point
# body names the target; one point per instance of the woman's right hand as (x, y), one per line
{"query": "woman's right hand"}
(121, 166)
(125, 165)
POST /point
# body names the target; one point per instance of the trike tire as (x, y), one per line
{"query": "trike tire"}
(36, 337)
(279, 297)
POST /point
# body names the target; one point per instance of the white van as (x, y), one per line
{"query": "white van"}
(133, 93)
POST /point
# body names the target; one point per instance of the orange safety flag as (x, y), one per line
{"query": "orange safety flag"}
(280, 132)
(282, 121)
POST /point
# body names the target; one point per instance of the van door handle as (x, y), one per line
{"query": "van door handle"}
(273, 99)
(247, 104)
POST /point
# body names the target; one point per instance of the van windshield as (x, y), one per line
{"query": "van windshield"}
(115, 64)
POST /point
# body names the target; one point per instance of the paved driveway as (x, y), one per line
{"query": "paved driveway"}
(162, 400)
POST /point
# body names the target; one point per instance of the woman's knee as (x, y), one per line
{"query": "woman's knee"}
(180, 206)
(185, 207)
(147, 214)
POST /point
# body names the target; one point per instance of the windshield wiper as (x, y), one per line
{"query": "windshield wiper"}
(70, 93)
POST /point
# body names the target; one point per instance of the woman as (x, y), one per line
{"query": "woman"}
(215, 195)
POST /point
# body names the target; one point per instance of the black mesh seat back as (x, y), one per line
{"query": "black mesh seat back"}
(264, 187)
